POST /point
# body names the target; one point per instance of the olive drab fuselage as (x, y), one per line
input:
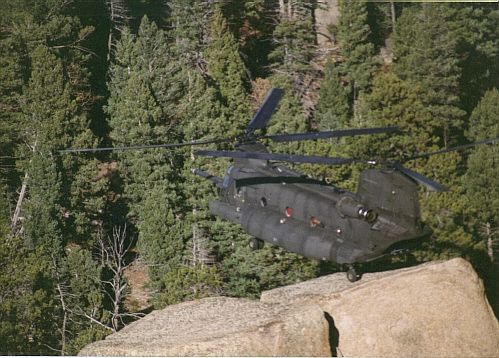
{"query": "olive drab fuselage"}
(318, 220)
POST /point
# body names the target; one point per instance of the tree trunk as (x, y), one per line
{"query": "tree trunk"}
(394, 15)
(17, 211)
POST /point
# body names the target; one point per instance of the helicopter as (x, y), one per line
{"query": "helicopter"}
(280, 206)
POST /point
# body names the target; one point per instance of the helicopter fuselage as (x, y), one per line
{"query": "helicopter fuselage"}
(317, 220)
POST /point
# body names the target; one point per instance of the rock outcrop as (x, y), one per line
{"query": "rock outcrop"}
(221, 326)
(436, 309)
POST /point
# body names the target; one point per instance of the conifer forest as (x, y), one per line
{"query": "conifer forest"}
(114, 73)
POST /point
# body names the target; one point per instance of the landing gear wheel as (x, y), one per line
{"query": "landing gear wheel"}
(255, 244)
(352, 274)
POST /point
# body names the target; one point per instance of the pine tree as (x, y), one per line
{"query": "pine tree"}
(50, 82)
(425, 48)
(26, 300)
(481, 177)
(425, 52)
(355, 46)
(54, 122)
(80, 286)
(333, 110)
(294, 50)
(227, 72)
(142, 112)
(12, 78)
(476, 31)
(393, 101)
(189, 21)
(292, 69)
(249, 22)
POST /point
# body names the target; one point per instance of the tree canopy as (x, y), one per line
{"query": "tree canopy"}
(104, 73)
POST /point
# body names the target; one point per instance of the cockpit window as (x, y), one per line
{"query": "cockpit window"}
(226, 181)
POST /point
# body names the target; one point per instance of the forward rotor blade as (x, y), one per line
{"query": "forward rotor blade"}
(276, 180)
(330, 134)
(139, 147)
(421, 179)
(262, 116)
(454, 149)
(275, 156)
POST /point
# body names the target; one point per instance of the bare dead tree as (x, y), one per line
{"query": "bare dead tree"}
(491, 235)
(198, 245)
(15, 228)
(62, 292)
(393, 16)
(118, 16)
(113, 251)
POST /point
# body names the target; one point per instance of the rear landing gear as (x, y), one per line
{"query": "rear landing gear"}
(255, 244)
(352, 275)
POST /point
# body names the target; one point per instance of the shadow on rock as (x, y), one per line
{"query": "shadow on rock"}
(334, 335)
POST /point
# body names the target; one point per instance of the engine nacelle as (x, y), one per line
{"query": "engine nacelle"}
(348, 206)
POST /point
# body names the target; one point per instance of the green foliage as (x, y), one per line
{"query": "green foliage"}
(227, 71)
(393, 101)
(25, 300)
(294, 51)
(83, 275)
(161, 240)
(141, 112)
(426, 54)
(79, 278)
(184, 283)
(290, 116)
(43, 227)
(188, 79)
(481, 180)
(189, 23)
(356, 49)
(47, 97)
(333, 110)
(12, 78)
(483, 122)
(248, 21)
(476, 29)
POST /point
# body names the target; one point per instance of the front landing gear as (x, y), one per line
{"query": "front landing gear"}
(255, 244)
(352, 274)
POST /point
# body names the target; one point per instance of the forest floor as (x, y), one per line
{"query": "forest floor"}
(138, 278)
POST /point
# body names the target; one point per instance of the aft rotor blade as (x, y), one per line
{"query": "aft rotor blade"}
(262, 116)
(275, 156)
(139, 147)
(454, 149)
(421, 179)
(330, 134)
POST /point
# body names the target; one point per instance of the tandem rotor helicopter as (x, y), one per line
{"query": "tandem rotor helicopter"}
(312, 218)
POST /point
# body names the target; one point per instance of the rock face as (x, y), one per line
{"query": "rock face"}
(437, 309)
(221, 326)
